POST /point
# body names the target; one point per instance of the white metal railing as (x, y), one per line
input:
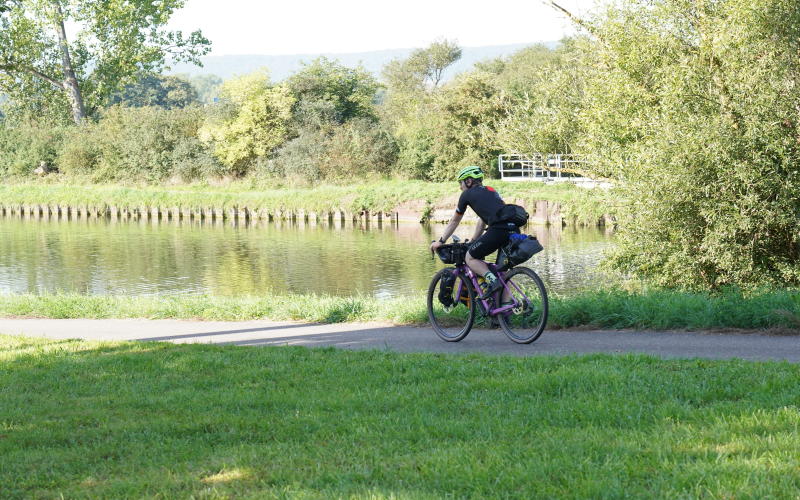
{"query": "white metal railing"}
(541, 167)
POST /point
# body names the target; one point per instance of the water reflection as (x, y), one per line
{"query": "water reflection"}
(148, 257)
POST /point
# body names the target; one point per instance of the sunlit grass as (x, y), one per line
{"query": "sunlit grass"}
(130, 420)
(612, 308)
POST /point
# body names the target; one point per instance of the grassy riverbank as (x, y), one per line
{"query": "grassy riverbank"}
(613, 309)
(119, 420)
(577, 204)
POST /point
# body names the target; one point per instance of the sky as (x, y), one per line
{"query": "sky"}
(343, 26)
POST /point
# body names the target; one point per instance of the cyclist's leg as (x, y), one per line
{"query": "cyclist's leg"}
(490, 241)
(480, 248)
(477, 264)
(506, 297)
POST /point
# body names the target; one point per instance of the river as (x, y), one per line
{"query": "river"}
(148, 258)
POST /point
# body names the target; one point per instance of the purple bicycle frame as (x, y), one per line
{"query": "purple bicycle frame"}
(464, 269)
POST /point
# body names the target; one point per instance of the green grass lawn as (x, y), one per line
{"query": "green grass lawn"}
(115, 420)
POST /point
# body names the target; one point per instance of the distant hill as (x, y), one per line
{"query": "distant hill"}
(281, 67)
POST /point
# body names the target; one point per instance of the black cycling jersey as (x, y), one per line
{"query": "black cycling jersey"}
(484, 200)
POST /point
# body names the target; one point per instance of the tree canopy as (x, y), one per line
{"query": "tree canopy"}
(157, 90)
(693, 108)
(45, 72)
(251, 120)
(424, 68)
(328, 92)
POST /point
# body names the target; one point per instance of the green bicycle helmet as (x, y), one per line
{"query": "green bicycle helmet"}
(471, 171)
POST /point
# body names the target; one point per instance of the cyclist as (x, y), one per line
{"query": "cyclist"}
(485, 202)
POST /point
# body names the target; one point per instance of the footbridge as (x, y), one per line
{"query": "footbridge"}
(544, 167)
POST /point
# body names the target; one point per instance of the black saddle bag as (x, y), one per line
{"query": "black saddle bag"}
(518, 250)
(514, 214)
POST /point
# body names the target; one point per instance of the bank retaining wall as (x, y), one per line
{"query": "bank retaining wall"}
(542, 213)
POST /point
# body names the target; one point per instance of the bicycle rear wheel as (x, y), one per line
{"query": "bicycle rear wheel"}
(526, 322)
(451, 322)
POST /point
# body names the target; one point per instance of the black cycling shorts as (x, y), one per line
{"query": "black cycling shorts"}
(488, 242)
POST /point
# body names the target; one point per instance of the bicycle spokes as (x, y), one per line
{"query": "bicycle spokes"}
(451, 305)
(528, 317)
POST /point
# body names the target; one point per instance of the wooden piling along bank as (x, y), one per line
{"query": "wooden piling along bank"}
(191, 213)
(543, 213)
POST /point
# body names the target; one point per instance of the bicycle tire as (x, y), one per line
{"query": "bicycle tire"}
(526, 325)
(442, 320)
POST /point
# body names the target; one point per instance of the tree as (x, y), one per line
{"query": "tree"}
(251, 120)
(436, 58)
(410, 106)
(357, 149)
(468, 110)
(115, 41)
(424, 68)
(157, 90)
(544, 91)
(206, 86)
(693, 108)
(329, 93)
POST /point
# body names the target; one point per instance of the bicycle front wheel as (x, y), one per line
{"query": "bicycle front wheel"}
(526, 322)
(452, 311)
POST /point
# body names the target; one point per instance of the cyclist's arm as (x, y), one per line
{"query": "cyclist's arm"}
(448, 231)
(451, 227)
(479, 230)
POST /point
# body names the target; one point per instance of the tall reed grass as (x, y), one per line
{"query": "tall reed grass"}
(605, 309)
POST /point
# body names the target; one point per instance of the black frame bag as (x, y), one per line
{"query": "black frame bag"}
(514, 214)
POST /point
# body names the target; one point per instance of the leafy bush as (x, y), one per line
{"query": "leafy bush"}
(469, 110)
(25, 146)
(694, 109)
(298, 158)
(79, 154)
(139, 144)
(358, 149)
(415, 158)
(354, 150)
(250, 122)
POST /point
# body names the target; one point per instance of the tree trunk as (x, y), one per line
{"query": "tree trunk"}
(70, 83)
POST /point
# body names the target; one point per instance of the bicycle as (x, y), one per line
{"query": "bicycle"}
(523, 319)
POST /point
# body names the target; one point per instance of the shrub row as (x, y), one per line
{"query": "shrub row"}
(153, 145)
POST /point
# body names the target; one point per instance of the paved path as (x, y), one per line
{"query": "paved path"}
(751, 346)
